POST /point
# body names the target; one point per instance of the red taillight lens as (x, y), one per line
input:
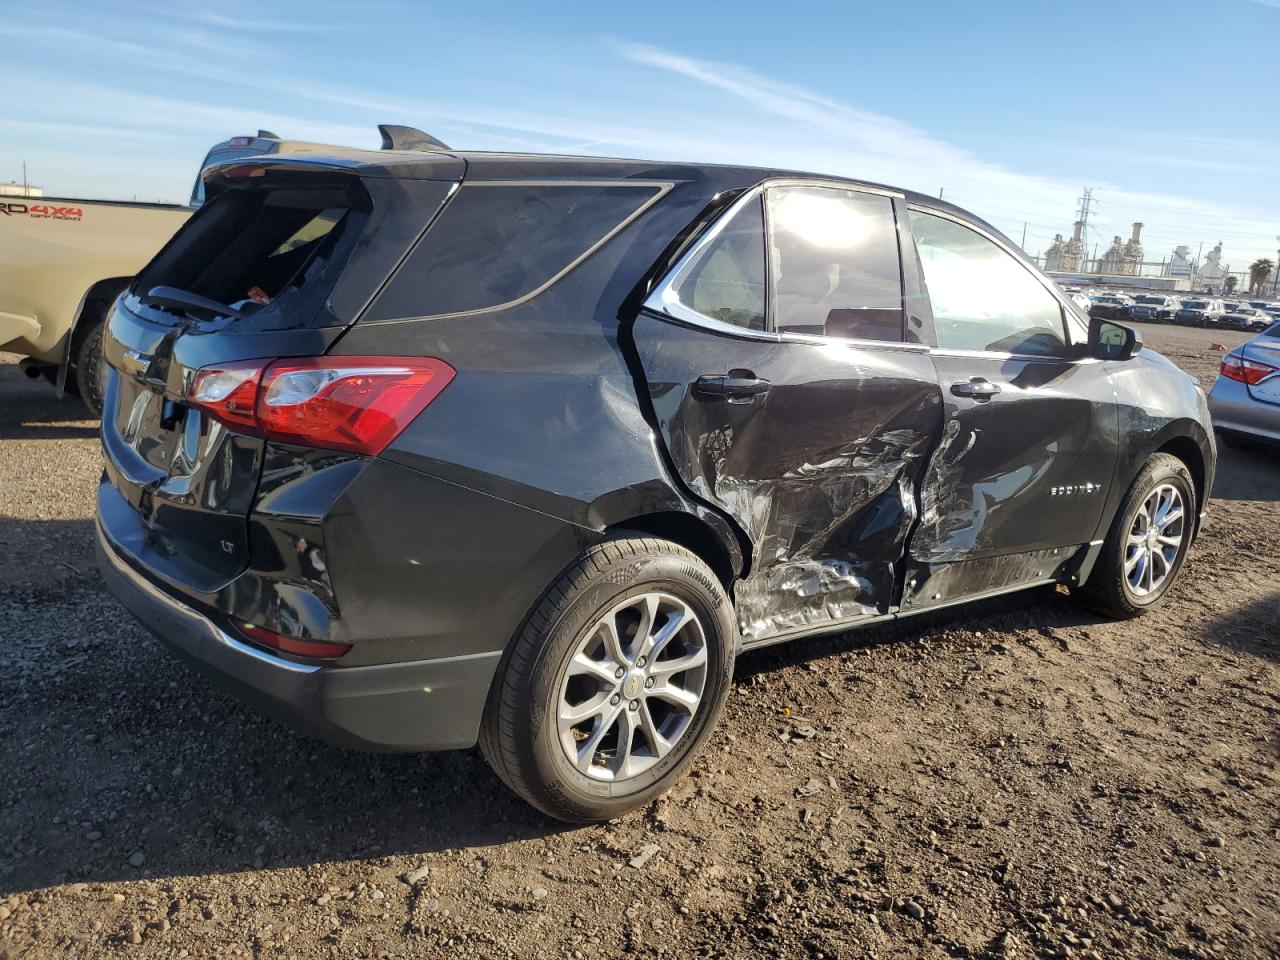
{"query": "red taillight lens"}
(229, 393)
(358, 404)
(1241, 369)
(315, 649)
(347, 403)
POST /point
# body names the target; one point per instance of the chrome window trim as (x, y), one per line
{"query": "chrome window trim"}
(664, 301)
(997, 355)
(663, 298)
(833, 183)
(1049, 286)
(661, 189)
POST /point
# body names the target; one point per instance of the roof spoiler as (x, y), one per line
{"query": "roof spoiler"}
(395, 137)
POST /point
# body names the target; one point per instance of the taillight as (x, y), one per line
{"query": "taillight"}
(314, 649)
(229, 393)
(357, 404)
(1237, 367)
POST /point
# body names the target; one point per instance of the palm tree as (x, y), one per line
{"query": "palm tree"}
(1229, 284)
(1259, 271)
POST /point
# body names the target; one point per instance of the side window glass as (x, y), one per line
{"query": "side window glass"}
(983, 298)
(834, 263)
(725, 281)
(495, 244)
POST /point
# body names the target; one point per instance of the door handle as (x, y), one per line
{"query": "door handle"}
(736, 386)
(976, 388)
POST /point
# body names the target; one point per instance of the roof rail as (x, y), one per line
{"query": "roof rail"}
(267, 135)
(396, 137)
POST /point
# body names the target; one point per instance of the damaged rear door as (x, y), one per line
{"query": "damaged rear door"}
(792, 396)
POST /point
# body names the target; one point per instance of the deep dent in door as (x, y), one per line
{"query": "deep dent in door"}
(865, 494)
(821, 476)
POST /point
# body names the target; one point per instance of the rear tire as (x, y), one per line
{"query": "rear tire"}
(639, 732)
(1140, 560)
(90, 378)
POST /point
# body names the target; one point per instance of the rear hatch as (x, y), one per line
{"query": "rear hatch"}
(278, 263)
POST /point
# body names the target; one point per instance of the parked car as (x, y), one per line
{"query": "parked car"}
(1081, 301)
(64, 261)
(1245, 399)
(1244, 318)
(1198, 313)
(1263, 305)
(1108, 306)
(1152, 308)
(422, 448)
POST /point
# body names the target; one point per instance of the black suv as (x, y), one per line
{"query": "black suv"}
(420, 449)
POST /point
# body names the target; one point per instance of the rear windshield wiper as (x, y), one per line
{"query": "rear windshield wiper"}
(173, 297)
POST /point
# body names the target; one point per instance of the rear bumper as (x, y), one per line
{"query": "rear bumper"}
(412, 706)
(1235, 410)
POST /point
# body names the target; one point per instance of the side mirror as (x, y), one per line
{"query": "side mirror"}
(1112, 341)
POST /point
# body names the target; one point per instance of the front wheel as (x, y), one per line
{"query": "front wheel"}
(614, 684)
(1148, 541)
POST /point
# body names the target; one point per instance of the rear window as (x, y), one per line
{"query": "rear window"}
(497, 244)
(263, 250)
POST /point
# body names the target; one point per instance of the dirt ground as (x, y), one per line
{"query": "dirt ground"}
(1016, 779)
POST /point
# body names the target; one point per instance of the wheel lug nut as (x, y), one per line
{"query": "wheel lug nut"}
(634, 705)
(648, 684)
(616, 699)
(620, 673)
(640, 662)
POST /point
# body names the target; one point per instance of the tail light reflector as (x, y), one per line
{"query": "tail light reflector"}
(1237, 367)
(356, 404)
(314, 649)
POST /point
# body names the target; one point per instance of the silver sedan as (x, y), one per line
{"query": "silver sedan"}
(1245, 399)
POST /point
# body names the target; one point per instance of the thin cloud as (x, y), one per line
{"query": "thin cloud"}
(1274, 4)
(786, 123)
(252, 25)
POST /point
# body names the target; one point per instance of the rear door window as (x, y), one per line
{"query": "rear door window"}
(833, 261)
(497, 244)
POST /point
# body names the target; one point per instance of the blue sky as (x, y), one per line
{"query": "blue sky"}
(1169, 109)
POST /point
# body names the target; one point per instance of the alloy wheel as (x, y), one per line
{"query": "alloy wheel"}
(1155, 540)
(633, 686)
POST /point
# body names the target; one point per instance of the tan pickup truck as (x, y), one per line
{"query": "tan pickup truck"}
(63, 263)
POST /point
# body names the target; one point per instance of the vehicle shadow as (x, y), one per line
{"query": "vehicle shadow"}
(1249, 629)
(112, 748)
(30, 410)
(1251, 473)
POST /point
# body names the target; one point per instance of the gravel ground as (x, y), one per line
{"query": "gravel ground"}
(1016, 779)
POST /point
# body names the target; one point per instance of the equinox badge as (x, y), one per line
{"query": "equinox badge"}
(1067, 489)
